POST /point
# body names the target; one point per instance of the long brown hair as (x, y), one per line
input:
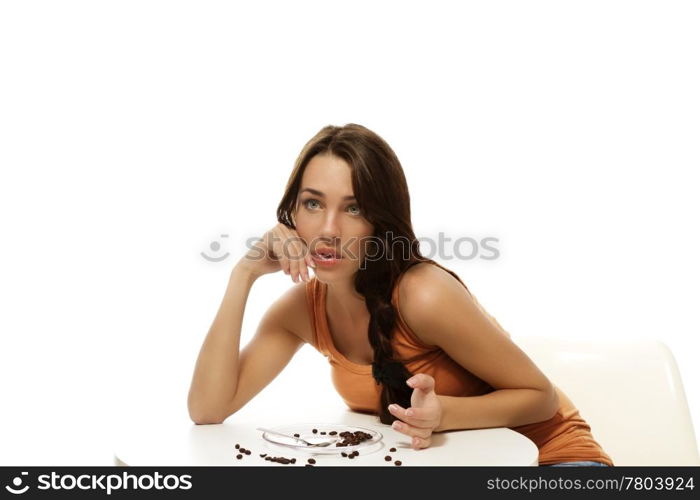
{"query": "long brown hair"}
(381, 191)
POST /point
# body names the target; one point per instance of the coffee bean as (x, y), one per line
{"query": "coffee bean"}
(353, 438)
(263, 455)
(332, 433)
(387, 458)
(239, 456)
(238, 445)
(247, 452)
(323, 433)
(392, 449)
(314, 431)
(343, 454)
(398, 462)
(311, 461)
(351, 456)
(296, 435)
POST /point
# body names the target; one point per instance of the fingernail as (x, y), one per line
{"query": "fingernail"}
(396, 425)
(409, 413)
(392, 407)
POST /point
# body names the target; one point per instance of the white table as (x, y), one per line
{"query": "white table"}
(178, 442)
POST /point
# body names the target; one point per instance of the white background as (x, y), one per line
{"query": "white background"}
(133, 134)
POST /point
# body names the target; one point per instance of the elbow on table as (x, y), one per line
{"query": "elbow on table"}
(200, 417)
(205, 420)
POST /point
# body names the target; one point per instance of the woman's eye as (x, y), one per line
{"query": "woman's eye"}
(309, 201)
(308, 204)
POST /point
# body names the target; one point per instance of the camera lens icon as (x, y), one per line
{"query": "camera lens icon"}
(215, 246)
(17, 482)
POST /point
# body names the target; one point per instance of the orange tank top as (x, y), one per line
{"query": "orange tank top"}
(566, 437)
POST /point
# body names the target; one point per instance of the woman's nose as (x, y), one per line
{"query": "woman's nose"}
(330, 228)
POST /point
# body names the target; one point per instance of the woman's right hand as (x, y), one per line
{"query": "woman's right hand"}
(280, 248)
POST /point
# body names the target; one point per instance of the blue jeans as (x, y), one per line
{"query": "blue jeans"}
(583, 463)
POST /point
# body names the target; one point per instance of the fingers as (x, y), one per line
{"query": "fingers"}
(418, 423)
(295, 270)
(294, 259)
(310, 260)
(421, 381)
(419, 417)
(411, 430)
(298, 266)
(418, 443)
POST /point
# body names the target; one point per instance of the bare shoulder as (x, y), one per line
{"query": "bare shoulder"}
(428, 295)
(290, 312)
(423, 280)
(423, 290)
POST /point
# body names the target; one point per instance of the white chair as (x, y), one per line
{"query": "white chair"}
(630, 392)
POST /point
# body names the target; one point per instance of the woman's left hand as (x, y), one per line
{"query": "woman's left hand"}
(424, 416)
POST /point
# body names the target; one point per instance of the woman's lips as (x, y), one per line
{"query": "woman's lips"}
(326, 261)
(323, 251)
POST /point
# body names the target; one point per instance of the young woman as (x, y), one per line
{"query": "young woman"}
(405, 337)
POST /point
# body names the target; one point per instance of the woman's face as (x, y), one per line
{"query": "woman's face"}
(327, 215)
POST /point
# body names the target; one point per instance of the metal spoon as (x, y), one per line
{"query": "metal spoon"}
(319, 444)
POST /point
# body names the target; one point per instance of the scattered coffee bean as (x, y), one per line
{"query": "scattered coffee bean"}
(387, 458)
(311, 461)
(239, 456)
(343, 454)
(280, 460)
(392, 449)
(351, 456)
(263, 455)
(323, 433)
(332, 433)
(294, 460)
(296, 435)
(247, 452)
(314, 431)
(398, 462)
(238, 445)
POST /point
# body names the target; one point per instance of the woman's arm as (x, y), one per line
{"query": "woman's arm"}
(215, 377)
(500, 408)
(441, 312)
(225, 380)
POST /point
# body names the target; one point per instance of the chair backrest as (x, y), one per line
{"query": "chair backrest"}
(629, 391)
